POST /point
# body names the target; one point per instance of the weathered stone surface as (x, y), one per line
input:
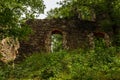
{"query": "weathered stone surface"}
(75, 34)
(8, 49)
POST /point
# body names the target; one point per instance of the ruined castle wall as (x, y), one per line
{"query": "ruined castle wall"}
(74, 34)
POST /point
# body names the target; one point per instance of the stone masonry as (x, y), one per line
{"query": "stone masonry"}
(75, 34)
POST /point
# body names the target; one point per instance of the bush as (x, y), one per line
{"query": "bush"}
(101, 63)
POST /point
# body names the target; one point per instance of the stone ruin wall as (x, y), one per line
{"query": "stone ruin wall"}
(75, 34)
(9, 49)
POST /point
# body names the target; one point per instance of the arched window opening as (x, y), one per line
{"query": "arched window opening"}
(98, 39)
(101, 39)
(56, 41)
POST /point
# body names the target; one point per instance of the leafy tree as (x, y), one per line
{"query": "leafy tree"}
(106, 13)
(13, 13)
(89, 8)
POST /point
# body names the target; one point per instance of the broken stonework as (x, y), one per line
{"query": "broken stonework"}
(75, 34)
(8, 49)
(92, 36)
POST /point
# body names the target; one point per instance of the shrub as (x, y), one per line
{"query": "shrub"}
(101, 63)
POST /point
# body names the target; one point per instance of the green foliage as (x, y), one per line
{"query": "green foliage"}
(99, 42)
(14, 13)
(101, 63)
(56, 43)
(21, 33)
(97, 10)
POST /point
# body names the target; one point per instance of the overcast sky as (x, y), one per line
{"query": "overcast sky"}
(50, 4)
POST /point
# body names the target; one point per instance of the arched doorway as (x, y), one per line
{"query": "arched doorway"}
(56, 41)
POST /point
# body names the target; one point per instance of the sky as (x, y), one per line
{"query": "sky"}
(50, 4)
